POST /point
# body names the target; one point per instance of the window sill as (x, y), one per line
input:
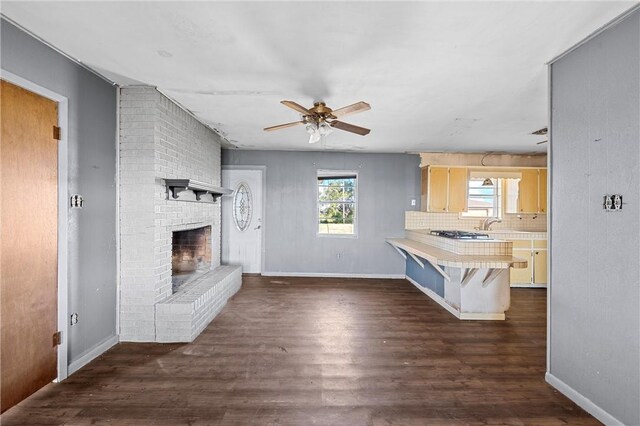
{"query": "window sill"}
(319, 235)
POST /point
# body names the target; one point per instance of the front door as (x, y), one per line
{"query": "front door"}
(242, 219)
(29, 256)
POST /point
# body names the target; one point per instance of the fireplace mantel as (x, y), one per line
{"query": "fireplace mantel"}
(176, 186)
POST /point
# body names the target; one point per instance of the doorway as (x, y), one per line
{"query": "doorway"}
(242, 219)
(29, 248)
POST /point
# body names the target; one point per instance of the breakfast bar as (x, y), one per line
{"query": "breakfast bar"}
(466, 273)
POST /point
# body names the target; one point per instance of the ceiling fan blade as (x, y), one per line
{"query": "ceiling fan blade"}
(540, 143)
(283, 126)
(302, 110)
(351, 109)
(349, 127)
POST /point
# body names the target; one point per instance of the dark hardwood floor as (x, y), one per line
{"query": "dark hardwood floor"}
(306, 351)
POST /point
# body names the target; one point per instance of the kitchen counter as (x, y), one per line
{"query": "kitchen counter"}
(447, 258)
(469, 278)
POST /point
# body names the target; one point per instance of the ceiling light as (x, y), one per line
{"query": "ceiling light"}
(324, 129)
(314, 137)
(487, 182)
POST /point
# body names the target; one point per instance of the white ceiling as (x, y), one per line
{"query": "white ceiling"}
(440, 76)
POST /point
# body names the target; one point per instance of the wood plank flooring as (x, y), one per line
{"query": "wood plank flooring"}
(309, 351)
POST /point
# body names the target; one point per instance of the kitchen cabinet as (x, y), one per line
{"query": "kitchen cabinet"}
(447, 189)
(438, 189)
(542, 190)
(458, 188)
(535, 253)
(532, 191)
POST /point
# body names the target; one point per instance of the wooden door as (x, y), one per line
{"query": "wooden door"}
(542, 194)
(458, 189)
(528, 191)
(29, 199)
(438, 188)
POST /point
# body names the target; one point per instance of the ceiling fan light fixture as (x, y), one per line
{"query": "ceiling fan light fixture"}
(314, 137)
(324, 128)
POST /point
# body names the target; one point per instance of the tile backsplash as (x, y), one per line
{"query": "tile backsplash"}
(520, 222)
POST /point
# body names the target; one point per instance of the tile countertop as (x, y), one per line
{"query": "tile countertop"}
(446, 258)
(500, 234)
(493, 247)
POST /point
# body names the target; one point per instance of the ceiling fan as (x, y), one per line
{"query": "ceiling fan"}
(321, 120)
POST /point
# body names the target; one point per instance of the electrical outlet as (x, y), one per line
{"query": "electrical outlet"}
(74, 318)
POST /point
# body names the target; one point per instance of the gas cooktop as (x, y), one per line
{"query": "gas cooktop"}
(461, 235)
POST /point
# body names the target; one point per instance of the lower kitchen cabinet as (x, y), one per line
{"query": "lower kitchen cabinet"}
(535, 253)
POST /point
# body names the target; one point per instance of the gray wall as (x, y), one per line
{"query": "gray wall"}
(386, 185)
(92, 173)
(595, 256)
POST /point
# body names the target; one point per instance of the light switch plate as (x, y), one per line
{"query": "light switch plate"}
(77, 201)
(612, 202)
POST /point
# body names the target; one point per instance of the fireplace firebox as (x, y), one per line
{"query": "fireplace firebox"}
(190, 255)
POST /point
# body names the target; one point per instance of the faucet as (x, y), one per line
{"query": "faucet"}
(486, 225)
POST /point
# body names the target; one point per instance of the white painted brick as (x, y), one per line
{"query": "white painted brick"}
(157, 140)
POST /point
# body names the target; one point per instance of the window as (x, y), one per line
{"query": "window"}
(337, 201)
(484, 200)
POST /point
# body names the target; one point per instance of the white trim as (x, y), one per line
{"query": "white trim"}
(527, 285)
(582, 401)
(418, 261)
(118, 280)
(549, 210)
(263, 169)
(95, 352)
(596, 33)
(63, 144)
(332, 275)
(483, 316)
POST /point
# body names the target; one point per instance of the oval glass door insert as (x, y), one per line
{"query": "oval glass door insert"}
(242, 206)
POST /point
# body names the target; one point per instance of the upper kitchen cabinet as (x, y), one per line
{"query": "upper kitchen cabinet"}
(446, 189)
(532, 191)
(542, 191)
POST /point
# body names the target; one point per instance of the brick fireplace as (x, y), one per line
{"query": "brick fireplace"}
(159, 140)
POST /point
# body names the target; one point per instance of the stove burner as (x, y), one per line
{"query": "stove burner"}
(461, 235)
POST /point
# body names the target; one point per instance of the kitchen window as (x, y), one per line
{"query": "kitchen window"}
(337, 203)
(484, 199)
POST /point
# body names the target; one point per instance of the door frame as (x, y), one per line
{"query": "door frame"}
(262, 169)
(63, 123)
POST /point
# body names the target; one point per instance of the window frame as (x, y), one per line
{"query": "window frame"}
(497, 196)
(338, 173)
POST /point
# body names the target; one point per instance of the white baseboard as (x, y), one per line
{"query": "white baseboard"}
(92, 354)
(483, 316)
(332, 275)
(583, 402)
(524, 285)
